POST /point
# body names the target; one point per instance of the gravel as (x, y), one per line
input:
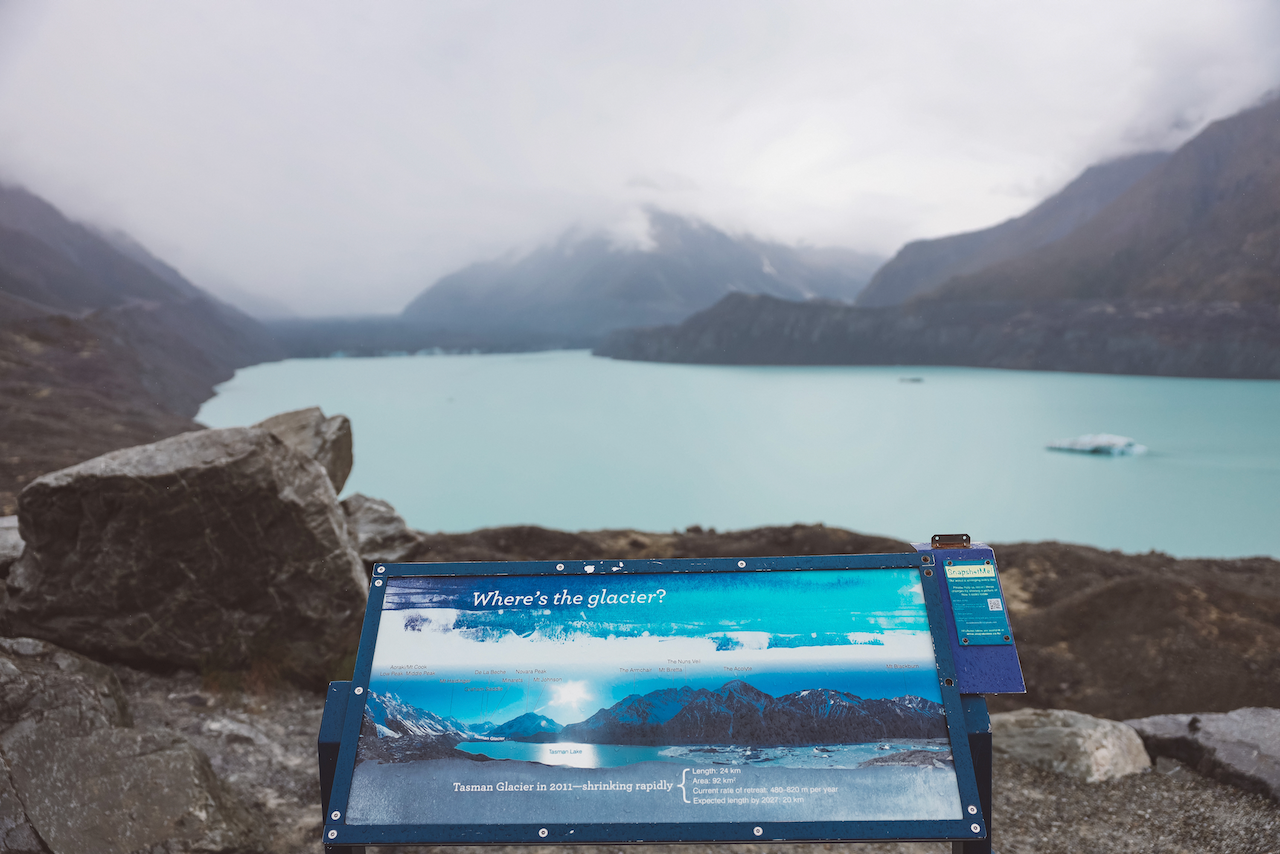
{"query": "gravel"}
(264, 746)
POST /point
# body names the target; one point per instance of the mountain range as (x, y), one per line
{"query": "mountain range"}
(583, 287)
(1166, 265)
(734, 713)
(574, 291)
(922, 266)
(739, 713)
(1151, 264)
(1202, 226)
(102, 345)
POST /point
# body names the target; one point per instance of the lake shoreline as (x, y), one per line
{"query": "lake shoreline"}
(567, 441)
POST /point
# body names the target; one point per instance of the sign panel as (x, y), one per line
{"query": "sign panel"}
(597, 702)
(976, 603)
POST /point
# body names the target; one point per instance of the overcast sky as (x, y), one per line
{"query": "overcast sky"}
(339, 157)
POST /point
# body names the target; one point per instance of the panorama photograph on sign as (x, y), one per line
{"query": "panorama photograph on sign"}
(654, 698)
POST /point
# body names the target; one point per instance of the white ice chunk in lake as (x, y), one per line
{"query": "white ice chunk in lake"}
(1099, 443)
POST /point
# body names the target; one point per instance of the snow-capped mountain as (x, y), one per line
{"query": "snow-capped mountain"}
(739, 713)
(395, 718)
(527, 727)
(735, 713)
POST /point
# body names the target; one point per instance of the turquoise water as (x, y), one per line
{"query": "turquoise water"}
(569, 441)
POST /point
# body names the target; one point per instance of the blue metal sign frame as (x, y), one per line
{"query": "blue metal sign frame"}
(972, 826)
(979, 669)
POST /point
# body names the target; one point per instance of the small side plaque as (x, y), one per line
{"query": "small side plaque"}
(976, 603)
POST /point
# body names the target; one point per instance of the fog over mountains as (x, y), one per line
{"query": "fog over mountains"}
(102, 345)
(575, 291)
(1150, 264)
(1153, 264)
(585, 286)
(1203, 225)
(923, 265)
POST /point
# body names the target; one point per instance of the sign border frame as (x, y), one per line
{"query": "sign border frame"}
(970, 827)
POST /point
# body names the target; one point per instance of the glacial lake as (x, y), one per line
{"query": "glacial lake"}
(566, 440)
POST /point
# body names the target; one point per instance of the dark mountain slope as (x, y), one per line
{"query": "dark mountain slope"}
(63, 264)
(924, 265)
(1178, 276)
(581, 288)
(1203, 225)
(51, 261)
(1091, 336)
(100, 347)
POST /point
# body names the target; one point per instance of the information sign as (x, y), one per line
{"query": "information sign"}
(976, 603)
(654, 701)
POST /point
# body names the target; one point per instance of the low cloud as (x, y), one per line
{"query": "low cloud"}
(340, 157)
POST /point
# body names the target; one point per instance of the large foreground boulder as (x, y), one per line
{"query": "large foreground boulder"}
(76, 779)
(1241, 748)
(222, 549)
(1081, 746)
(325, 440)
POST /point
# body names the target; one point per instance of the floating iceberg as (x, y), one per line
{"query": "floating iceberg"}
(1099, 443)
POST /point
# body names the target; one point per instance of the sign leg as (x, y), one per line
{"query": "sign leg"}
(335, 713)
(978, 727)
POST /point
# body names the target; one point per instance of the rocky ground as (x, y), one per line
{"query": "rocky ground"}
(1112, 635)
(68, 393)
(263, 745)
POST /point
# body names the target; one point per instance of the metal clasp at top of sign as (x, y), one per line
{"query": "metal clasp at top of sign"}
(950, 541)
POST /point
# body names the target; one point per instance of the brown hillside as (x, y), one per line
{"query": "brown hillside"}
(924, 265)
(102, 346)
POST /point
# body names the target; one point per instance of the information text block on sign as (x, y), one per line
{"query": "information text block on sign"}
(977, 603)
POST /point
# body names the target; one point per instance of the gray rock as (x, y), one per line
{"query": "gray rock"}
(75, 778)
(379, 532)
(45, 689)
(325, 440)
(219, 549)
(1241, 748)
(10, 543)
(17, 836)
(118, 791)
(46, 694)
(1081, 746)
(10, 551)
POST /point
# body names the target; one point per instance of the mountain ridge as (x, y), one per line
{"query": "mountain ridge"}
(922, 266)
(584, 286)
(1153, 338)
(102, 345)
(1203, 225)
(735, 713)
